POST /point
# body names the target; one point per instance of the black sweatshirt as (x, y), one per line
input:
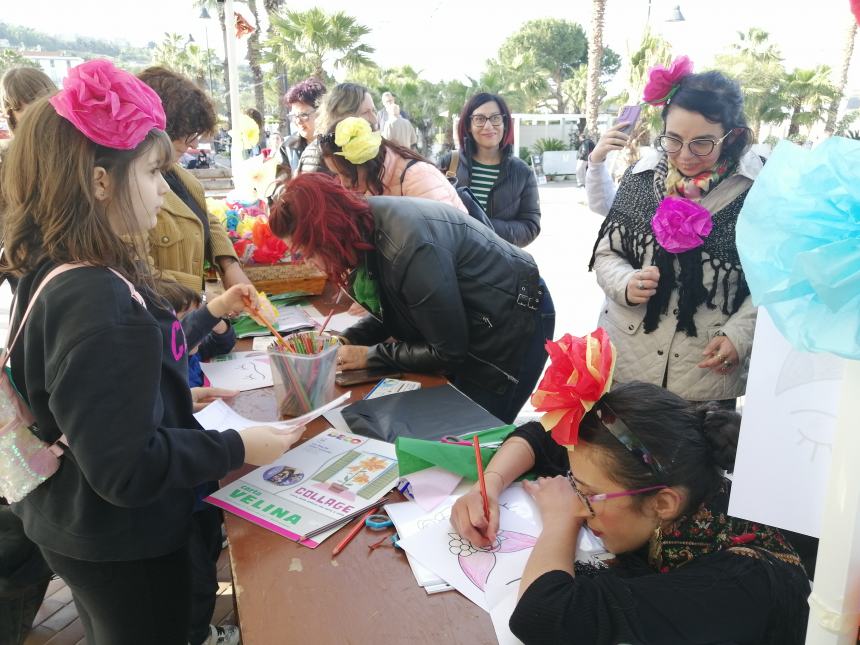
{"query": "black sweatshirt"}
(717, 598)
(111, 375)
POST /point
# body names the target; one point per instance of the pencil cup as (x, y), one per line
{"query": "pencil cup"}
(303, 372)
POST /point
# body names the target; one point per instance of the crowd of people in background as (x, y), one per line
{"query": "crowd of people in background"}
(434, 252)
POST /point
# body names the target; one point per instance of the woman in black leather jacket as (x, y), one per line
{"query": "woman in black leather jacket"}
(445, 294)
(505, 186)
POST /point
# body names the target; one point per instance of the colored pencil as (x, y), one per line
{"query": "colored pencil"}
(260, 318)
(345, 519)
(480, 465)
(353, 532)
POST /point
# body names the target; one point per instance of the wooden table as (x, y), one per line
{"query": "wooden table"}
(286, 593)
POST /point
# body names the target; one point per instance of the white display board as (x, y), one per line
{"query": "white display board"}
(789, 421)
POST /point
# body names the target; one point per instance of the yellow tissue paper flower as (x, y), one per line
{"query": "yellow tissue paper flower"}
(245, 228)
(357, 141)
(249, 131)
(217, 207)
(266, 311)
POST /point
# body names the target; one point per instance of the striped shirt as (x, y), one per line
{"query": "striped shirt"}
(483, 178)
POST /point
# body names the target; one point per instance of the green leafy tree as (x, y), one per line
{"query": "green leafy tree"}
(831, 125)
(807, 93)
(756, 64)
(542, 57)
(9, 58)
(306, 41)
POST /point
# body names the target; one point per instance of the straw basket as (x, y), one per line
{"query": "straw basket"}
(281, 278)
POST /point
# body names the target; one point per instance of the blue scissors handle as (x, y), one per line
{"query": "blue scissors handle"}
(378, 522)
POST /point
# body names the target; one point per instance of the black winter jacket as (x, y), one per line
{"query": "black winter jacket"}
(456, 298)
(513, 204)
(95, 365)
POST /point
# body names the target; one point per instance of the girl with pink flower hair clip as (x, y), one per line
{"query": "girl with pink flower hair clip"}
(100, 361)
(677, 306)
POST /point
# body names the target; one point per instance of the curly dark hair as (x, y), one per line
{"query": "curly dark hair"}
(188, 109)
(309, 91)
(719, 99)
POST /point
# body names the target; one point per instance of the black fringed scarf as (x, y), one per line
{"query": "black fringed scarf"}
(628, 226)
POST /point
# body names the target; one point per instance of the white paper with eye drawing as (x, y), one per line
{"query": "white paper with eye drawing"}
(241, 371)
(789, 421)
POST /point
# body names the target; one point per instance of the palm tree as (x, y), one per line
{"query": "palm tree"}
(308, 40)
(807, 93)
(756, 65)
(830, 127)
(279, 85)
(218, 7)
(595, 56)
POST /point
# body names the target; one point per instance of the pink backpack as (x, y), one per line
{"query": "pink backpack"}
(25, 460)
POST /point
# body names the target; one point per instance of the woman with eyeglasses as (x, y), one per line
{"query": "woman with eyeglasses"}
(186, 235)
(677, 303)
(367, 163)
(503, 184)
(646, 477)
(300, 149)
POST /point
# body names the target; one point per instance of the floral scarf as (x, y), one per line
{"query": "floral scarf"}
(668, 180)
(711, 529)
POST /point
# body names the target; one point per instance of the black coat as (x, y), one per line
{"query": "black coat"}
(513, 203)
(455, 296)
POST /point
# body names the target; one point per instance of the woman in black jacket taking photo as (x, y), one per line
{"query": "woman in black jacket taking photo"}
(454, 297)
(503, 184)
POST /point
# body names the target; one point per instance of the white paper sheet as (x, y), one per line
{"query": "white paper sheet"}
(241, 371)
(220, 416)
(432, 486)
(789, 422)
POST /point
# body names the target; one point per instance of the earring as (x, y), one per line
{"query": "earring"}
(655, 548)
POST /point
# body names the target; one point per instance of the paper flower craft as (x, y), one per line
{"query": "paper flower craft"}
(580, 372)
(681, 224)
(109, 106)
(798, 237)
(266, 311)
(358, 143)
(663, 82)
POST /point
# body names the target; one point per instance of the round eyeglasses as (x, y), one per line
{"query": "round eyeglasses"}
(480, 120)
(699, 147)
(302, 117)
(595, 502)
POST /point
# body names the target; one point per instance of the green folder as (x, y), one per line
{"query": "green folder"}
(417, 454)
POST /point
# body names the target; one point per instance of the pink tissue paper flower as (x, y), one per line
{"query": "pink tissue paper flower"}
(661, 81)
(109, 106)
(680, 224)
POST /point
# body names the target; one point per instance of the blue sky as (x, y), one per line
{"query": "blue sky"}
(449, 39)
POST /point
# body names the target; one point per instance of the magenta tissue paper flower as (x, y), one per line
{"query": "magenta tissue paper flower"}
(109, 106)
(661, 81)
(680, 224)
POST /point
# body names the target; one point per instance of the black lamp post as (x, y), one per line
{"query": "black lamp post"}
(204, 15)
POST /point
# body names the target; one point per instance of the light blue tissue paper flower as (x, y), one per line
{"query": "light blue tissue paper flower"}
(798, 237)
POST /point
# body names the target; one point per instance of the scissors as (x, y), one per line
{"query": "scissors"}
(378, 522)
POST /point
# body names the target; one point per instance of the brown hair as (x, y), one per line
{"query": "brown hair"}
(20, 87)
(188, 109)
(178, 295)
(375, 168)
(343, 101)
(50, 208)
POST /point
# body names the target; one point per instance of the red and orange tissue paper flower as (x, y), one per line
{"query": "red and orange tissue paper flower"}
(580, 372)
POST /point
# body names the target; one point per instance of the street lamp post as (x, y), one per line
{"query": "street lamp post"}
(204, 15)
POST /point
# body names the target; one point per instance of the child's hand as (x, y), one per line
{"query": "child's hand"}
(203, 396)
(232, 301)
(264, 444)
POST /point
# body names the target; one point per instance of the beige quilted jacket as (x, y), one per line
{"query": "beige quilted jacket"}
(647, 357)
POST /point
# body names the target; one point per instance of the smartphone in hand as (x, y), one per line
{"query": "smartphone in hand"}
(630, 115)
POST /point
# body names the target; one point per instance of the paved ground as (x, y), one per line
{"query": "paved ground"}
(562, 251)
